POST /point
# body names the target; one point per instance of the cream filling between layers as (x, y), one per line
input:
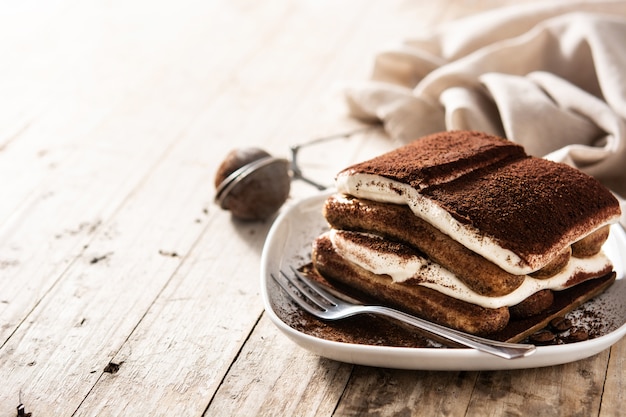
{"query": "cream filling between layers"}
(385, 190)
(438, 278)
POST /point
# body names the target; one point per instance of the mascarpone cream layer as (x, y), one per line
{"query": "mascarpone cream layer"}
(385, 190)
(436, 277)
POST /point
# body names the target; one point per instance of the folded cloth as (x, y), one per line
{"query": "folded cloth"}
(550, 76)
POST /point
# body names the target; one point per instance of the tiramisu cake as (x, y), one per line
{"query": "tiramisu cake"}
(467, 230)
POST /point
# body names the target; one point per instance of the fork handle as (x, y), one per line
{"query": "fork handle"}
(501, 349)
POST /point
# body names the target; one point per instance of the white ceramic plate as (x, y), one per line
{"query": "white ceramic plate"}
(289, 243)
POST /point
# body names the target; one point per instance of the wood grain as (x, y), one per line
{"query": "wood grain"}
(564, 390)
(614, 391)
(271, 373)
(398, 392)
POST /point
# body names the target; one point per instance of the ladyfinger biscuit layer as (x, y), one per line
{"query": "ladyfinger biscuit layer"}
(415, 299)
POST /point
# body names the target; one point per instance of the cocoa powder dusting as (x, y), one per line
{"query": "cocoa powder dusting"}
(434, 158)
(379, 245)
(528, 205)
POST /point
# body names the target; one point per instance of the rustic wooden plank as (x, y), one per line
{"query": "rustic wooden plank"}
(173, 361)
(389, 392)
(86, 315)
(573, 389)
(80, 324)
(614, 394)
(272, 373)
(102, 161)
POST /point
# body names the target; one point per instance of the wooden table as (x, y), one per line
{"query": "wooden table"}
(124, 290)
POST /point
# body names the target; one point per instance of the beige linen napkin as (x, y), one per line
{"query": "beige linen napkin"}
(550, 76)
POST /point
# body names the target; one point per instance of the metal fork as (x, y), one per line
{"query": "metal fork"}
(319, 302)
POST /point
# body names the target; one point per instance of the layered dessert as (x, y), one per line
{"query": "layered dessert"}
(467, 230)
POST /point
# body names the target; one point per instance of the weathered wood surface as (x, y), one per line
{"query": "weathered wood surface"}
(123, 289)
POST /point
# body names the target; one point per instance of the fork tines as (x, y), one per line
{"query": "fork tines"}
(305, 293)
